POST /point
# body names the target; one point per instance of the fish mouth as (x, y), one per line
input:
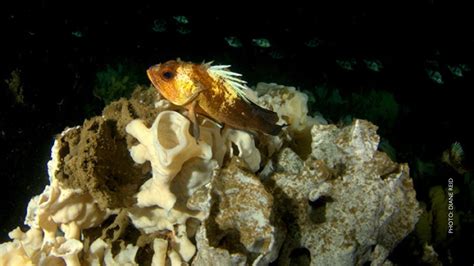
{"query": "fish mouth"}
(150, 71)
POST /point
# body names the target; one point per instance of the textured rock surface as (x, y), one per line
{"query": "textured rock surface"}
(94, 157)
(348, 204)
(241, 219)
(95, 160)
(133, 187)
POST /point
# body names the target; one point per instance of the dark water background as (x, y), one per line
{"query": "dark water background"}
(58, 52)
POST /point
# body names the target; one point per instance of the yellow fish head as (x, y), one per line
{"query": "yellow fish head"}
(176, 81)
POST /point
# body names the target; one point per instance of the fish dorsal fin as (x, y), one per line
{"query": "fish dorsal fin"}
(231, 78)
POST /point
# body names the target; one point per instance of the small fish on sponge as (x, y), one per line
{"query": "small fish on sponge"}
(214, 92)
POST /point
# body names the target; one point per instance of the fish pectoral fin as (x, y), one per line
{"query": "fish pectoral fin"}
(192, 117)
(193, 97)
(196, 131)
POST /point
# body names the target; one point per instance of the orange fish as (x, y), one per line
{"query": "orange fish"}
(214, 92)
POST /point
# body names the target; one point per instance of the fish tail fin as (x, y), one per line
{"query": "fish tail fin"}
(267, 120)
(275, 129)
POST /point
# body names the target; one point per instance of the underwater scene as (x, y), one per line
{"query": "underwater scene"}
(141, 135)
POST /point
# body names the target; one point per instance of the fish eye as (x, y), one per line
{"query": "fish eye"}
(167, 75)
